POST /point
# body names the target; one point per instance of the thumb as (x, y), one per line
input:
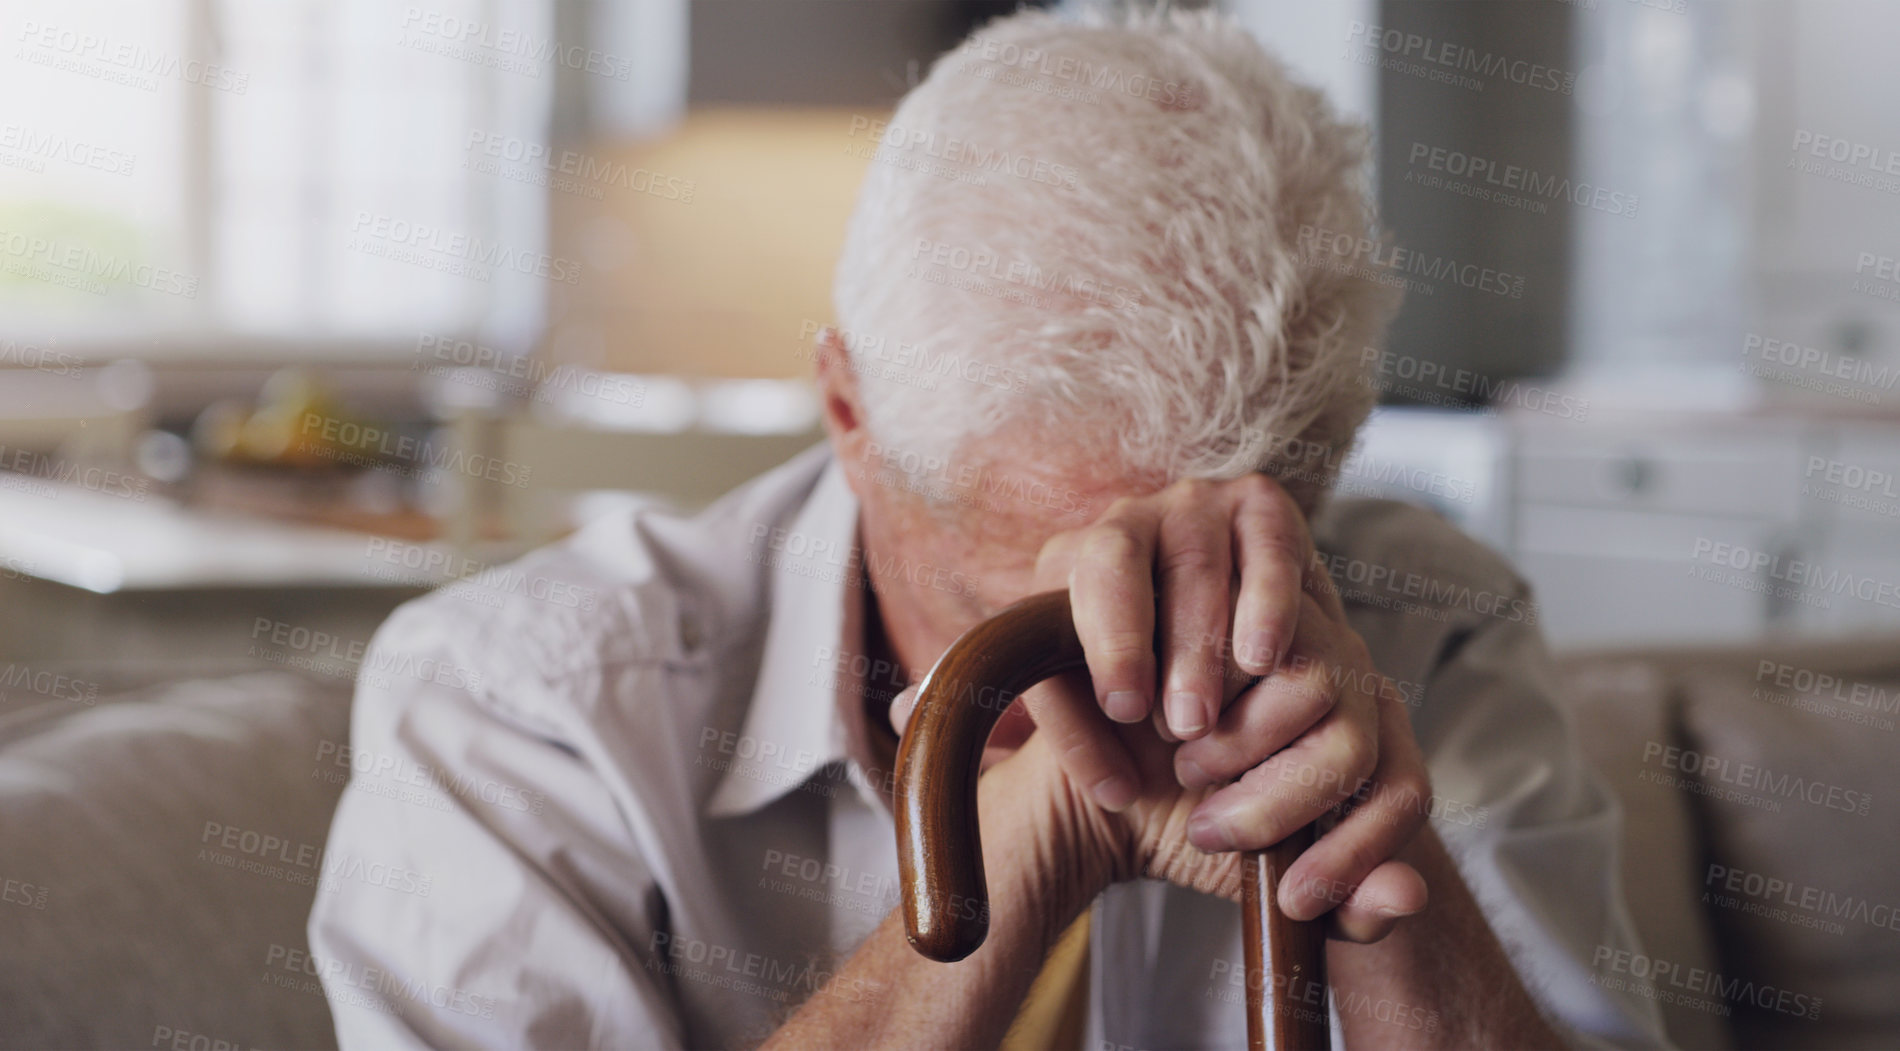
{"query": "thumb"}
(901, 707)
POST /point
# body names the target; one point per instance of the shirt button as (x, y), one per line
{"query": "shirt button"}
(689, 632)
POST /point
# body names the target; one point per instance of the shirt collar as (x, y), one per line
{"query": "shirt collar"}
(793, 727)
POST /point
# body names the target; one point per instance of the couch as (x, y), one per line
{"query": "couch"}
(159, 846)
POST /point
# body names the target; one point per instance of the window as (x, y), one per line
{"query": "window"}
(234, 177)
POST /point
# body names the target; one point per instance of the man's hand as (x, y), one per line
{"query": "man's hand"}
(1270, 714)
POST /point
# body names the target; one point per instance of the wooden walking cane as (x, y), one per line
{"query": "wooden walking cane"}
(940, 857)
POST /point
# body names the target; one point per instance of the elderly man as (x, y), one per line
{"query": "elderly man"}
(1079, 349)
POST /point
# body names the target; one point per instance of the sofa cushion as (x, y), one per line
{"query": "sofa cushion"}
(158, 858)
(1618, 702)
(1794, 766)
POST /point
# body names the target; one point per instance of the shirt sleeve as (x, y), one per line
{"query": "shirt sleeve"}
(1534, 830)
(480, 888)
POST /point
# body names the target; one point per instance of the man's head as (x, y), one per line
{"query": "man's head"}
(1075, 272)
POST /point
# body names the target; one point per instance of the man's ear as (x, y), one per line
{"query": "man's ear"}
(843, 407)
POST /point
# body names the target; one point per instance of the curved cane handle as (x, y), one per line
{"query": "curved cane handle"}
(940, 853)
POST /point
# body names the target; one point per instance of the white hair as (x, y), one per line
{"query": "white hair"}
(1097, 226)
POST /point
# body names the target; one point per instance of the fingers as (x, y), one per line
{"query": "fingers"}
(1111, 594)
(1273, 550)
(1385, 816)
(1259, 723)
(1194, 565)
(1271, 713)
(1369, 912)
(1316, 773)
(1087, 748)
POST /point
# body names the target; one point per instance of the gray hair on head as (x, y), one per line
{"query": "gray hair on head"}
(1100, 223)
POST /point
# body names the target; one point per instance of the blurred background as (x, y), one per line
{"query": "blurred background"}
(309, 305)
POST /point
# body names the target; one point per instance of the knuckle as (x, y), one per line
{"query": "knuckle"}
(1358, 757)
(1356, 859)
(1281, 546)
(1191, 488)
(1122, 646)
(1120, 507)
(1257, 487)
(1075, 747)
(1192, 559)
(1111, 543)
(1411, 790)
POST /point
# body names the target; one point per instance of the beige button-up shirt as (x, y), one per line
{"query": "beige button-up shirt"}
(621, 810)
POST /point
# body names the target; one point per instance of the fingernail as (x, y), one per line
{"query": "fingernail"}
(1190, 773)
(1186, 715)
(1124, 706)
(1209, 835)
(1114, 792)
(1261, 648)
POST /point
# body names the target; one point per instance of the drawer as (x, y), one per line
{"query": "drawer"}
(1752, 474)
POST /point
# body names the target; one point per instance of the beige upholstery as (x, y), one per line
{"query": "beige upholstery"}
(141, 918)
(1766, 782)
